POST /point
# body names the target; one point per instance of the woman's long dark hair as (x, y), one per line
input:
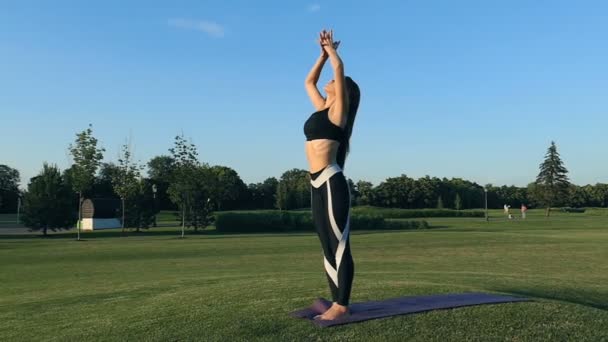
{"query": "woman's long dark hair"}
(354, 95)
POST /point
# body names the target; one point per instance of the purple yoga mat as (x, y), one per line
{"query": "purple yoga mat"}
(401, 306)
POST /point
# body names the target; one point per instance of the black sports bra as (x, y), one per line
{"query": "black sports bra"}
(318, 126)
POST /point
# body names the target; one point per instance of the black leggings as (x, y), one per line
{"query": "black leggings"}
(330, 210)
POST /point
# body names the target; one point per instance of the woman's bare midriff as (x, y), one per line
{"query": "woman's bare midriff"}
(320, 153)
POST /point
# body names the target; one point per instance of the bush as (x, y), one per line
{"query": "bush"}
(290, 221)
(266, 221)
(397, 213)
(366, 222)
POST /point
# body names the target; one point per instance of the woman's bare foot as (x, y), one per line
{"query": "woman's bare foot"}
(336, 311)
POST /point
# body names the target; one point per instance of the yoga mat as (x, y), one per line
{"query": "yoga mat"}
(401, 306)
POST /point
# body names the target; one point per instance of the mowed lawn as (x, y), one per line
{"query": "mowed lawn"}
(210, 287)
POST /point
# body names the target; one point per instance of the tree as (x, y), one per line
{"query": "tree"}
(86, 157)
(458, 202)
(160, 168)
(395, 192)
(269, 192)
(552, 181)
(577, 196)
(263, 195)
(184, 183)
(354, 193)
(470, 194)
(510, 195)
(46, 204)
(598, 194)
(126, 179)
(427, 192)
(160, 171)
(439, 202)
(103, 186)
(205, 195)
(9, 189)
(293, 191)
(140, 209)
(365, 190)
(281, 196)
(228, 190)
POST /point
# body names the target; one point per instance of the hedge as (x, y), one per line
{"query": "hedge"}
(292, 221)
(395, 213)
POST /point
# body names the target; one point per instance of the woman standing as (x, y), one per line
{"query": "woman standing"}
(328, 132)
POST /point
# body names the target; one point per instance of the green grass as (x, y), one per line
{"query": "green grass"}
(597, 211)
(156, 287)
(167, 217)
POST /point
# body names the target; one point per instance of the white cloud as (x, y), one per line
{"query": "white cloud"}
(209, 27)
(314, 7)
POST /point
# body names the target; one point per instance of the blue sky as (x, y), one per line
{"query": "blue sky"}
(472, 89)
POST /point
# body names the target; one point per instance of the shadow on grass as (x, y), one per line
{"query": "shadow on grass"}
(95, 235)
(573, 296)
(438, 227)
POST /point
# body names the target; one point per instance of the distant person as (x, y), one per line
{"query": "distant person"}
(328, 132)
(523, 211)
(507, 211)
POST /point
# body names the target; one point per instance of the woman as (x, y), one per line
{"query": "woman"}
(328, 133)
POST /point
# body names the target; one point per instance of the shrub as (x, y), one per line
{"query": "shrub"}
(397, 213)
(289, 221)
(266, 221)
(366, 222)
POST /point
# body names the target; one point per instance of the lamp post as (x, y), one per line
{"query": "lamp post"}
(155, 206)
(485, 190)
(18, 209)
(208, 212)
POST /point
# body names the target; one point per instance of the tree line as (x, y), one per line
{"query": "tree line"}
(179, 181)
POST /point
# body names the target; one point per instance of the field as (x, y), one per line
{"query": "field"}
(155, 286)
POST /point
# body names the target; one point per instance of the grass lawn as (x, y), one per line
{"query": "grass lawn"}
(157, 287)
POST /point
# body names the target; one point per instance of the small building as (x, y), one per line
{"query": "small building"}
(100, 213)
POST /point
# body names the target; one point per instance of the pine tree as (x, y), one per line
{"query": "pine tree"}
(552, 181)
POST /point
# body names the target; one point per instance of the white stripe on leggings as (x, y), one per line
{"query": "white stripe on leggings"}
(342, 237)
(325, 175)
(333, 274)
